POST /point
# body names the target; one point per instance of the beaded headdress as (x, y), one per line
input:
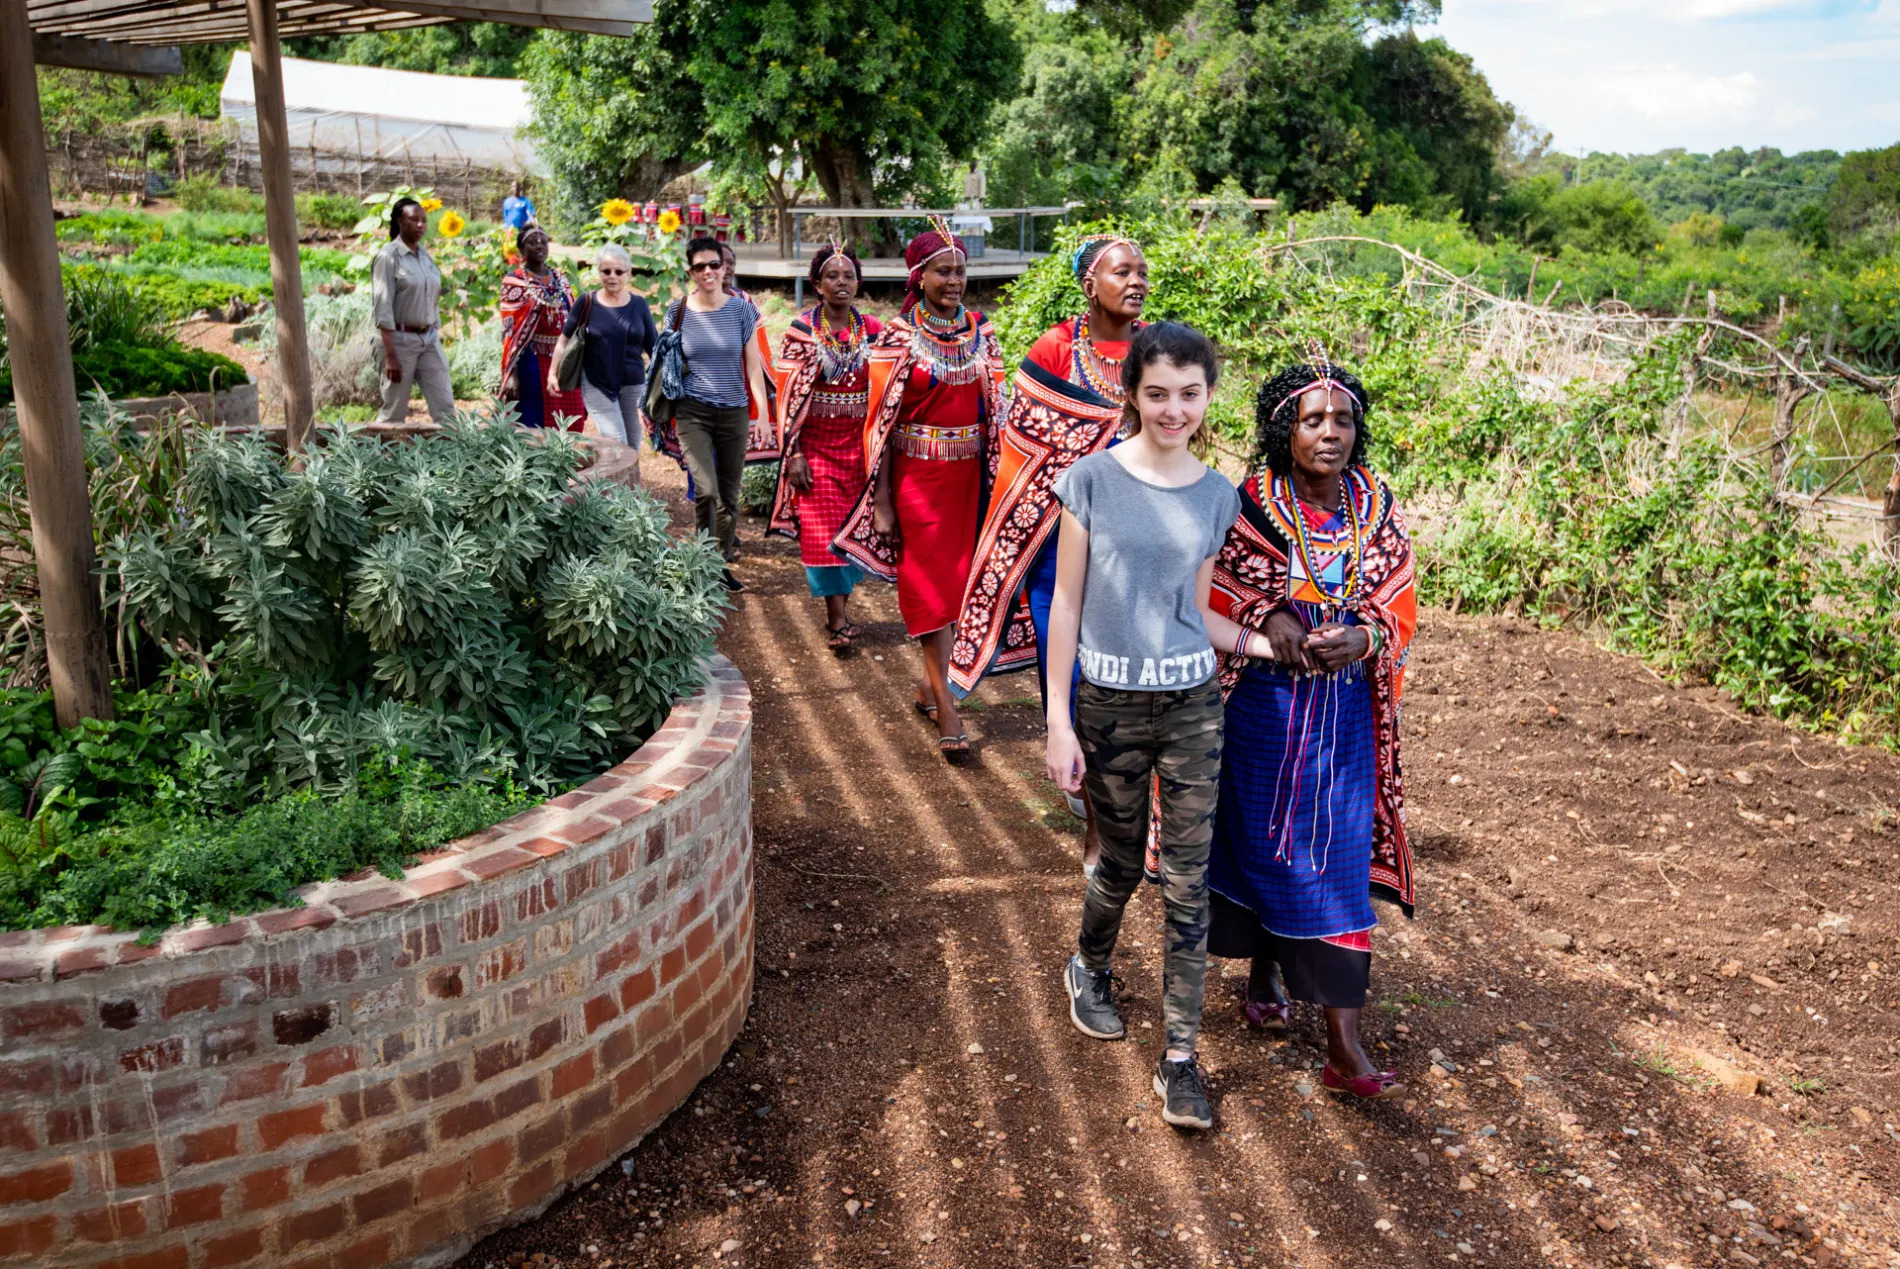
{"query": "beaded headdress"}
(1089, 252)
(1321, 364)
(925, 247)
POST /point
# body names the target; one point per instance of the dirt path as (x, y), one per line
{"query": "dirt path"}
(1629, 893)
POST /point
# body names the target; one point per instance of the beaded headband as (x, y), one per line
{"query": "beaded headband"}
(942, 229)
(1109, 243)
(1324, 364)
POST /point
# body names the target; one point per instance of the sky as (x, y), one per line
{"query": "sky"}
(1637, 76)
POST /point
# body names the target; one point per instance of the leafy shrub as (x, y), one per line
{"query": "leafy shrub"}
(157, 296)
(343, 351)
(757, 487)
(449, 598)
(116, 821)
(475, 362)
(327, 211)
(203, 192)
(133, 478)
(103, 308)
(1873, 306)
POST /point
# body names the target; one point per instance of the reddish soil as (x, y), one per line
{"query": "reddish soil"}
(1630, 892)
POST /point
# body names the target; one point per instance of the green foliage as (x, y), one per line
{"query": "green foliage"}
(1299, 102)
(1596, 217)
(613, 116)
(450, 598)
(487, 49)
(1760, 189)
(326, 211)
(1868, 187)
(757, 488)
(475, 363)
(202, 192)
(129, 822)
(148, 370)
(89, 101)
(1873, 307)
(1057, 138)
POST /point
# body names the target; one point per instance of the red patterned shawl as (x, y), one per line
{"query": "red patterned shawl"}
(533, 311)
(1050, 423)
(795, 376)
(860, 542)
(1250, 582)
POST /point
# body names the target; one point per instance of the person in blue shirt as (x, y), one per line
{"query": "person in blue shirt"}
(517, 212)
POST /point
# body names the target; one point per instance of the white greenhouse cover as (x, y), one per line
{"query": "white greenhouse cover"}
(394, 115)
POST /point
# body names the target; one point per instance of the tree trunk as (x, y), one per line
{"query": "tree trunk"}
(845, 174)
(643, 180)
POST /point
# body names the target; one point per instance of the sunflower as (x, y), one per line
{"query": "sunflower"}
(432, 204)
(451, 225)
(669, 221)
(618, 211)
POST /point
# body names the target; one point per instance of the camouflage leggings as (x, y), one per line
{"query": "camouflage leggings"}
(1129, 738)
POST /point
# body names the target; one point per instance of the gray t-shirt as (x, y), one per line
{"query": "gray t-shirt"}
(1141, 629)
(714, 346)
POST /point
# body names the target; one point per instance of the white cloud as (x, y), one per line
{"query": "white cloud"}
(1667, 92)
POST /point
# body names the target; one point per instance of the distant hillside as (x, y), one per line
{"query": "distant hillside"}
(1762, 189)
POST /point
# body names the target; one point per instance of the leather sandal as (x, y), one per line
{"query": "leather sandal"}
(926, 711)
(1269, 1015)
(838, 638)
(1366, 1088)
(954, 747)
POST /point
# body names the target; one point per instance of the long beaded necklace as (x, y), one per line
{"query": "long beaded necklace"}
(1303, 543)
(841, 353)
(1094, 370)
(951, 348)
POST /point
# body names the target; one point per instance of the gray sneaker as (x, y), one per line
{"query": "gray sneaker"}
(1092, 1001)
(1183, 1100)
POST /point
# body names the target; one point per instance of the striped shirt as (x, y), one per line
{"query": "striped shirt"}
(714, 345)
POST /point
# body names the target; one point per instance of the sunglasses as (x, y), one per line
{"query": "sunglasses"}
(613, 273)
(704, 265)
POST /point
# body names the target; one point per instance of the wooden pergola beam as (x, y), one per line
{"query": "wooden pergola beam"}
(280, 223)
(144, 61)
(59, 502)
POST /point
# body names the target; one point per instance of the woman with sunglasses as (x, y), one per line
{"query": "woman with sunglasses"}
(722, 364)
(620, 337)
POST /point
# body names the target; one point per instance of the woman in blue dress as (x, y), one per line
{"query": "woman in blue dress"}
(1309, 826)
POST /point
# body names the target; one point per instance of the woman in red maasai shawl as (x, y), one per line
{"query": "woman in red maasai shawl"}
(822, 373)
(936, 398)
(1067, 404)
(1310, 824)
(535, 299)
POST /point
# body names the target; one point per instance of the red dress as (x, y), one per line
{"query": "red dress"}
(936, 486)
(935, 401)
(823, 419)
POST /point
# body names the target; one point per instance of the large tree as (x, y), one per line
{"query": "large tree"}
(878, 97)
(1297, 98)
(615, 117)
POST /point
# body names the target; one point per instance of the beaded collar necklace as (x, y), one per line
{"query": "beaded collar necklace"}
(841, 353)
(1303, 538)
(952, 349)
(1094, 370)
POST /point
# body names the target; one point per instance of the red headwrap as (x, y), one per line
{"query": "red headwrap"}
(924, 248)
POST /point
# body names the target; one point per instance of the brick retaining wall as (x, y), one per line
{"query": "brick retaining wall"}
(399, 1067)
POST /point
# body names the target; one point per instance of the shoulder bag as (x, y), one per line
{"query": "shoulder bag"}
(567, 371)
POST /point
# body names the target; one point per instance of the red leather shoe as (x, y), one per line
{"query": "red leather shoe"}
(1365, 1087)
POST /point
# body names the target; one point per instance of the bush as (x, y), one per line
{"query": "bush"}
(449, 598)
(327, 211)
(475, 362)
(112, 821)
(203, 193)
(757, 487)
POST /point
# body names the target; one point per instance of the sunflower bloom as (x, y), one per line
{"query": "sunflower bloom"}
(617, 211)
(451, 225)
(432, 205)
(669, 221)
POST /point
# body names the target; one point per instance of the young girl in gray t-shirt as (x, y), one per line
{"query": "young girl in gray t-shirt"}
(1141, 525)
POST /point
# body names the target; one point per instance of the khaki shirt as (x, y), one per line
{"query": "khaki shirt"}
(405, 288)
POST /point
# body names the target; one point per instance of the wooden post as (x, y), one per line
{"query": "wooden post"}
(45, 402)
(280, 218)
(1790, 391)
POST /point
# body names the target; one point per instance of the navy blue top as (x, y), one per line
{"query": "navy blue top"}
(619, 340)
